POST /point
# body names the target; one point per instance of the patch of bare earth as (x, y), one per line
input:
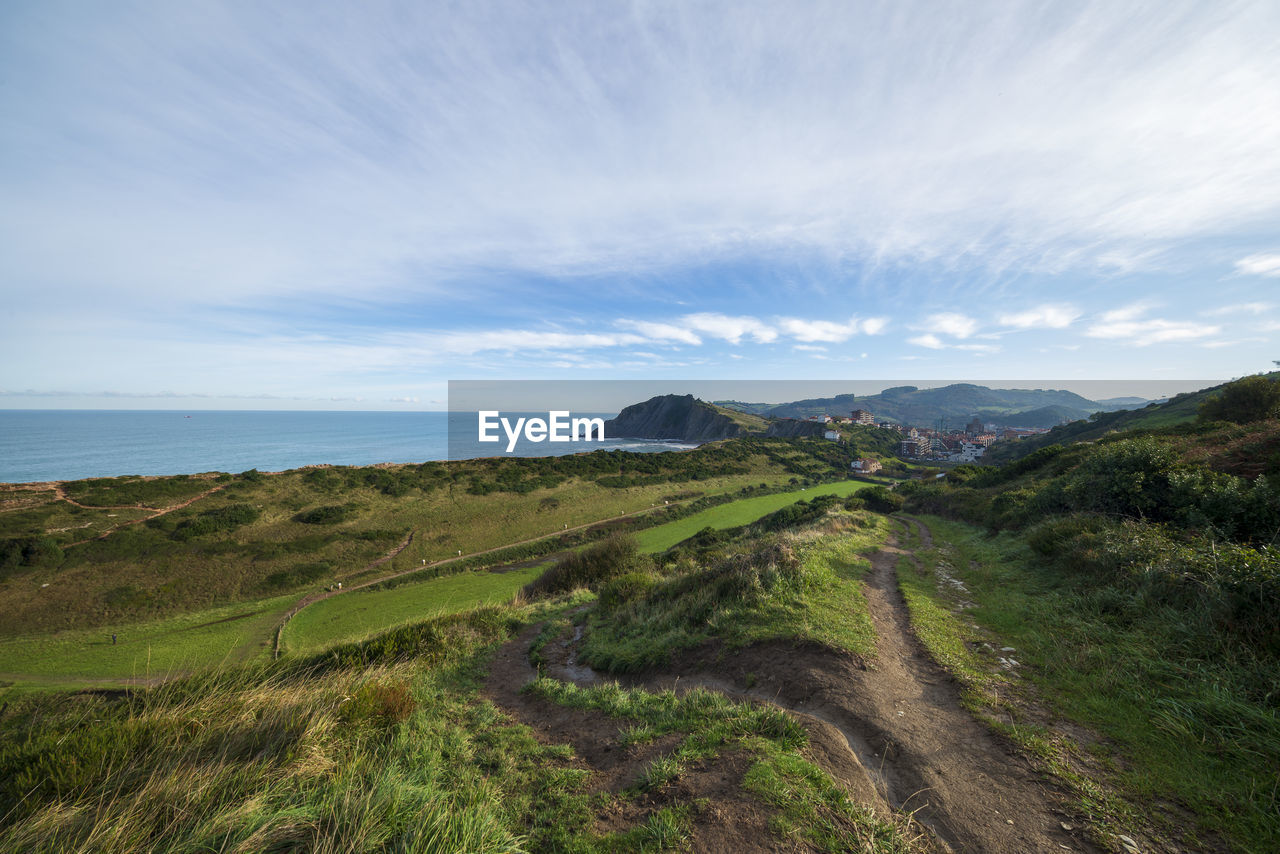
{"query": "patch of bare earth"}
(892, 732)
(731, 821)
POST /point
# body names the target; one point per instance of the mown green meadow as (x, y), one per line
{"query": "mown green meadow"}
(737, 513)
(359, 614)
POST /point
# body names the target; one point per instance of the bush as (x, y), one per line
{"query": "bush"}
(28, 552)
(1250, 399)
(626, 588)
(219, 519)
(799, 513)
(589, 568)
(328, 515)
(882, 500)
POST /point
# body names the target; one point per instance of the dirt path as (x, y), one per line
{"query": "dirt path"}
(892, 731)
(156, 512)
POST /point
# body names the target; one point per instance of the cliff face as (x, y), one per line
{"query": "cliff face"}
(687, 419)
(671, 416)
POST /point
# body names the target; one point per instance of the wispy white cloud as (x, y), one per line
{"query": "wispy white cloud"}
(1241, 308)
(950, 323)
(933, 342)
(1267, 264)
(1128, 324)
(662, 331)
(830, 331)
(393, 148)
(731, 329)
(809, 348)
(1047, 316)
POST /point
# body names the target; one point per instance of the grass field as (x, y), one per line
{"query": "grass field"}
(146, 572)
(737, 513)
(232, 633)
(354, 616)
(242, 631)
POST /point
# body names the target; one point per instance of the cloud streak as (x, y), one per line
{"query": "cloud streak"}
(395, 138)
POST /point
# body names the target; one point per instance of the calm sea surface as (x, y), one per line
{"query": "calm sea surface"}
(67, 445)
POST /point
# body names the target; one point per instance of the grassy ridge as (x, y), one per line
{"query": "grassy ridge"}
(748, 590)
(356, 615)
(662, 537)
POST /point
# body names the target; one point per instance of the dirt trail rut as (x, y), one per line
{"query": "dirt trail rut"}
(892, 731)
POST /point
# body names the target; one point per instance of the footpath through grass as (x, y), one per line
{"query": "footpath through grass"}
(736, 513)
(359, 614)
(1176, 724)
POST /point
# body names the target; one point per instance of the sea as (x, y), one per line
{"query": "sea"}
(44, 445)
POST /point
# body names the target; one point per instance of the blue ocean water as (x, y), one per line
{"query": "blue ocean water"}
(37, 445)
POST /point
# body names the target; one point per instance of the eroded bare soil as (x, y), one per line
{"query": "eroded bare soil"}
(893, 732)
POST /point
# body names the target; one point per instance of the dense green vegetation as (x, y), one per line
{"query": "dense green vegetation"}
(385, 743)
(1140, 575)
(380, 754)
(140, 491)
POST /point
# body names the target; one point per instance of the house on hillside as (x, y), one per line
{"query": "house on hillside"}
(832, 435)
(862, 416)
(865, 466)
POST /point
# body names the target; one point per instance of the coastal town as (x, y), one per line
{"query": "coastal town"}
(964, 444)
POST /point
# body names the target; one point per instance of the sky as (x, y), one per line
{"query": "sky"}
(346, 205)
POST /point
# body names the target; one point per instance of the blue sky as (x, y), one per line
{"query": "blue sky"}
(324, 205)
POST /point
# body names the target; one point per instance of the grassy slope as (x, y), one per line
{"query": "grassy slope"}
(357, 615)
(745, 420)
(818, 598)
(388, 746)
(231, 633)
(1180, 410)
(662, 537)
(141, 572)
(200, 638)
(1172, 731)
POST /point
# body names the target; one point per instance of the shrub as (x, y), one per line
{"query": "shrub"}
(329, 515)
(882, 500)
(219, 519)
(626, 588)
(1250, 399)
(589, 568)
(28, 551)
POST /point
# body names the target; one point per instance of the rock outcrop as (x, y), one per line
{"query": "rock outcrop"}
(684, 418)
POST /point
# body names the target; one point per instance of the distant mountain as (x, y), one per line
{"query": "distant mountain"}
(955, 404)
(687, 419)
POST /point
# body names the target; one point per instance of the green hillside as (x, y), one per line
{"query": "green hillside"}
(1181, 409)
